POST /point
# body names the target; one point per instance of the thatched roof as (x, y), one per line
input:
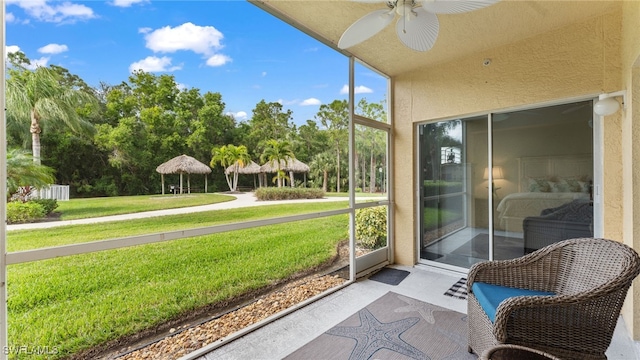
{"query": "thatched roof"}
(183, 164)
(251, 168)
(294, 165)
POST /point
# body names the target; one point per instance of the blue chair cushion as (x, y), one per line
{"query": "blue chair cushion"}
(490, 296)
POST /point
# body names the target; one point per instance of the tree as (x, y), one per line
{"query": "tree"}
(278, 153)
(370, 142)
(151, 120)
(321, 164)
(433, 137)
(22, 171)
(42, 95)
(208, 123)
(310, 140)
(335, 118)
(269, 121)
(231, 155)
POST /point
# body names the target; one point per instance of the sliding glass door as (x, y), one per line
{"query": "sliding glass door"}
(500, 186)
(451, 155)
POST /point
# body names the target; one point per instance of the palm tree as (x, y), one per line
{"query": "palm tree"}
(23, 172)
(40, 95)
(278, 152)
(321, 164)
(231, 155)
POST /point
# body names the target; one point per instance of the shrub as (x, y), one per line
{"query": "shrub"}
(371, 227)
(287, 193)
(48, 204)
(19, 212)
(433, 188)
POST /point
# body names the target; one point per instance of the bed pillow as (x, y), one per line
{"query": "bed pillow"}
(539, 185)
(560, 186)
(575, 185)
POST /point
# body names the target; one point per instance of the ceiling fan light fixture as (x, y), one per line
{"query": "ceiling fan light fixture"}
(404, 9)
(417, 27)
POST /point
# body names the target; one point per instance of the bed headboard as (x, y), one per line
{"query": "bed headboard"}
(561, 166)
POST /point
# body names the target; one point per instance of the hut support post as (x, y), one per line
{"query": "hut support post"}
(162, 180)
(180, 183)
(291, 178)
(188, 183)
(205, 183)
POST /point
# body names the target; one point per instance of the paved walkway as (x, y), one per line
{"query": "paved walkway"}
(242, 200)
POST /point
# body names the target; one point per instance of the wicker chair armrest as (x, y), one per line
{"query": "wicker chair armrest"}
(561, 312)
(524, 272)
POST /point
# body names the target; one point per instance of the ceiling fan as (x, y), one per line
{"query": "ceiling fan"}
(417, 26)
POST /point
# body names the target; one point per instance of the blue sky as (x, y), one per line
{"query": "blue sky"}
(231, 47)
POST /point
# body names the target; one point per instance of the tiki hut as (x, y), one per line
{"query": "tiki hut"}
(184, 164)
(251, 168)
(292, 166)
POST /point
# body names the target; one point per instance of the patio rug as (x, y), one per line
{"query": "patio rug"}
(393, 327)
(458, 290)
(504, 247)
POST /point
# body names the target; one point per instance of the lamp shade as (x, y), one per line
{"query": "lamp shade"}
(497, 173)
(606, 106)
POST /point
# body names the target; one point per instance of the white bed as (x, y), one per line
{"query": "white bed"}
(557, 173)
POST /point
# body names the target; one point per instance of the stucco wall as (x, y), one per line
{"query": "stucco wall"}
(563, 64)
(596, 56)
(631, 150)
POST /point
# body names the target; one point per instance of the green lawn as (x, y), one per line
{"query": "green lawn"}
(105, 206)
(76, 302)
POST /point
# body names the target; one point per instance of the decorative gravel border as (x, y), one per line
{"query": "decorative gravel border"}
(189, 339)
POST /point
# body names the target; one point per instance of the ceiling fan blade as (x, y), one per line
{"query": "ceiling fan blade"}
(455, 6)
(366, 27)
(419, 31)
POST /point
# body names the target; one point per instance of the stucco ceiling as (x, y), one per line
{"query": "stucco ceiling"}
(460, 34)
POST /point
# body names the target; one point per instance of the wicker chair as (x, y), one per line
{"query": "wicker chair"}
(515, 352)
(589, 278)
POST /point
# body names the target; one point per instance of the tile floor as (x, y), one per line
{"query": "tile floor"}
(280, 338)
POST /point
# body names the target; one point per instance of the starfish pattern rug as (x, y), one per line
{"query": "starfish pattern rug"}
(393, 327)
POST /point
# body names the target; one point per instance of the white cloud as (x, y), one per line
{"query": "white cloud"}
(357, 90)
(10, 49)
(263, 74)
(127, 3)
(240, 115)
(154, 64)
(35, 63)
(199, 39)
(204, 40)
(310, 102)
(218, 60)
(9, 17)
(287, 102)
(53, 49)
(61, 12)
